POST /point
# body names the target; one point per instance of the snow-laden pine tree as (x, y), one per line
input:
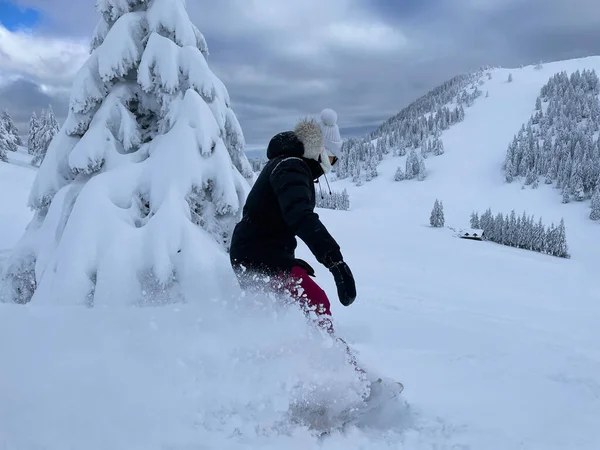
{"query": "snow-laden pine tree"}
(561, 247)
(595, 205)
(47, 128)
(399, 175)
(139, 191)
(474, 220)
(12, 132)
(34, 126)
(415, 166)
(436, 219)
(3, 143)
(565, 194)
(422, 174)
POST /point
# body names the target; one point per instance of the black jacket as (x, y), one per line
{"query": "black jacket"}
(279, 207)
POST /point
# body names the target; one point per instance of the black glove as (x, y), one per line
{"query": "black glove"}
(306, 266)
(344, 282)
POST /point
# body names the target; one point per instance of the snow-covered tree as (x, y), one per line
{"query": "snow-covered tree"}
(561, 247)
(436, 219)
(566, 197)
(422, 174)
(13, 137)
(474, 220)
(399, 175)
(139, 191)
(438, 147)
(46, 129)
(34, 126)
(415, 166)
(3, 143)
(595, 205)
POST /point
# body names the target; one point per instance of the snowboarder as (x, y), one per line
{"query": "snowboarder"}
(280, 207)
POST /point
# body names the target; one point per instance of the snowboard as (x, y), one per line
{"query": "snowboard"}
(381, 392)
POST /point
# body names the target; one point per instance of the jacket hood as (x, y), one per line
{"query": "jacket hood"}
(285, 144)
(309, 133)
(305, 141)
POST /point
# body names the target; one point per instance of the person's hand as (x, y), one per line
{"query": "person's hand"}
(345, 282)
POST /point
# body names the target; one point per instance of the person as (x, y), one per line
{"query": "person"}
(279, 208)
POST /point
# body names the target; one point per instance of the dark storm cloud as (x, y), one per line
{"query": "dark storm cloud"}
(21, 97)
(282, 60)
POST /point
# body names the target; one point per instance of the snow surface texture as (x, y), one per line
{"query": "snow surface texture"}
(497, 347)
(140, 189)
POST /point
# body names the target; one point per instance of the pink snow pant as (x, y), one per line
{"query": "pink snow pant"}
(308, 294)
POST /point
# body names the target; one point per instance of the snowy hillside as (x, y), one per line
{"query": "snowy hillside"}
(497, 347)
(16, 177)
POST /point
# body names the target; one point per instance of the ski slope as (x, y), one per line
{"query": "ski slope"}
(497, 347)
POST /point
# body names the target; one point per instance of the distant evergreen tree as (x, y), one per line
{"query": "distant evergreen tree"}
(10, 133)
(538, 237)
(498, 230)
(550, 238)
(4, 145)
(422, 173)
(438, 147)
(436, 219)
(566, 197)
(531, 178)
(399, 176)
(47, 129)
(513, 232)
(32, 142)
(595, 204)
(486, 221)
(13, 137)
(474, 220)
(561, 248)
(412, 165)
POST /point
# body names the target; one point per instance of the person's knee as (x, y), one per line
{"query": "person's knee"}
(318, 298)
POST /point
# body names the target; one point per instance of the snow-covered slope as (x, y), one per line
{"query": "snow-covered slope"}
(20, 158)
(497, 347)
(16, 178)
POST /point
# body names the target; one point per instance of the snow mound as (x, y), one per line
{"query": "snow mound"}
(243, 372)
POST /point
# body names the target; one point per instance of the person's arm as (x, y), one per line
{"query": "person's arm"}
(291, 181)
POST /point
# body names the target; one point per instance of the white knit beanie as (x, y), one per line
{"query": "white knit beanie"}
(331, 133)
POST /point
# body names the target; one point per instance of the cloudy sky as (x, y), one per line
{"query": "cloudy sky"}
(282, 59)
